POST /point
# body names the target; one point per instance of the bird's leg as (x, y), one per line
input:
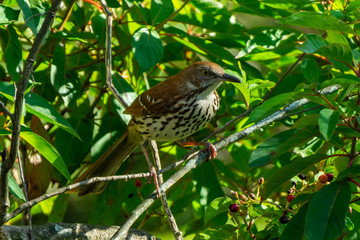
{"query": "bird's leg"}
(152, 169)
(211, 150)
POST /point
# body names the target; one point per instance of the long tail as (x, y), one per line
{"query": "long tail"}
(108, 163)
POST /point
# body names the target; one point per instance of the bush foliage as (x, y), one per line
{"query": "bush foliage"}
(283, 50)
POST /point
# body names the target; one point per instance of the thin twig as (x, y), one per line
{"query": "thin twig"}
(6, 111)
(172, 222)
(22, 176)
(172, 15)
(19, 100)
(71, 187)
(108, 64)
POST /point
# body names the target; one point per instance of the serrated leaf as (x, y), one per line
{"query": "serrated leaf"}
(147, 48)
(285, 173)
(313, 42)
(317, 21)
(325, 218)
(160, 10)
(336, 51)
(46, 149)
(310, 70)
(40, 107)
(217, 206)
(328, 119)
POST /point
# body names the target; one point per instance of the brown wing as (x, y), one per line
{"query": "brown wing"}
(157, 99)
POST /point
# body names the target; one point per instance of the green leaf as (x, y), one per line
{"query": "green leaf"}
(8, 14)
(337, 51)
(352, 171)
(310, 69)
(28, 16)
(99, 26)
(207, 6)
(15, 189)
(161, 10)
(217, 206)
(325, 218)
(285, 173)
(313, 42)
(147, 48)
(270, 106)
(328, 119)
(263, 153)
(294, 230)
(13, 54)
(40, 107)
(241, 87)
(68, 88)
(317, 21)
(45, 149)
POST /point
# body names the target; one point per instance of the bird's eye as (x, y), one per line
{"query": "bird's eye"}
(204, 72)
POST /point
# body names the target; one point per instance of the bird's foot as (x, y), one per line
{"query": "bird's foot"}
(209, 147)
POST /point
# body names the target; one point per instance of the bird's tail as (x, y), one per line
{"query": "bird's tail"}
(108, 163)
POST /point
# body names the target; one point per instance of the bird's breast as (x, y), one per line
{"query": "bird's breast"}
(184, 118)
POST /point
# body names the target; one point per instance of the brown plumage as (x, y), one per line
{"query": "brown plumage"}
(169, 111)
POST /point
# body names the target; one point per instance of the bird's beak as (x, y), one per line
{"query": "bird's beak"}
(230, 78)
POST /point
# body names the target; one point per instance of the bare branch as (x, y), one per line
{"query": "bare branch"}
(19, 101)
(172, 222)
(108, 64)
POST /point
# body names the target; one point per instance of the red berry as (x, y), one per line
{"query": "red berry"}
(330, 177)
(284, 219)
(323, 178)
(138, 183)
(290, 197)
(318, 185)
(234, 207)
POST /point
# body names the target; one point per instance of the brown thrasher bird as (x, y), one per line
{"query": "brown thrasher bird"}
(170, 111)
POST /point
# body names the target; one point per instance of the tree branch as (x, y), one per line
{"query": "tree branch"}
(69, 231)
(108, 64)
(19, 104)
(201, 156)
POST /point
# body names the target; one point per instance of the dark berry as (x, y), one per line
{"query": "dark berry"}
(138, 183)
(290, 208)
(252, 196)
(284, 219)
(323, 178)
(294, 184)
(234, 207)
(302, 176)
(261, 181)
(130, 195)
(290, 197)
(330, 177)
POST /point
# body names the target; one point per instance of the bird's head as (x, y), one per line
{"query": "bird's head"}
(207, 74)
